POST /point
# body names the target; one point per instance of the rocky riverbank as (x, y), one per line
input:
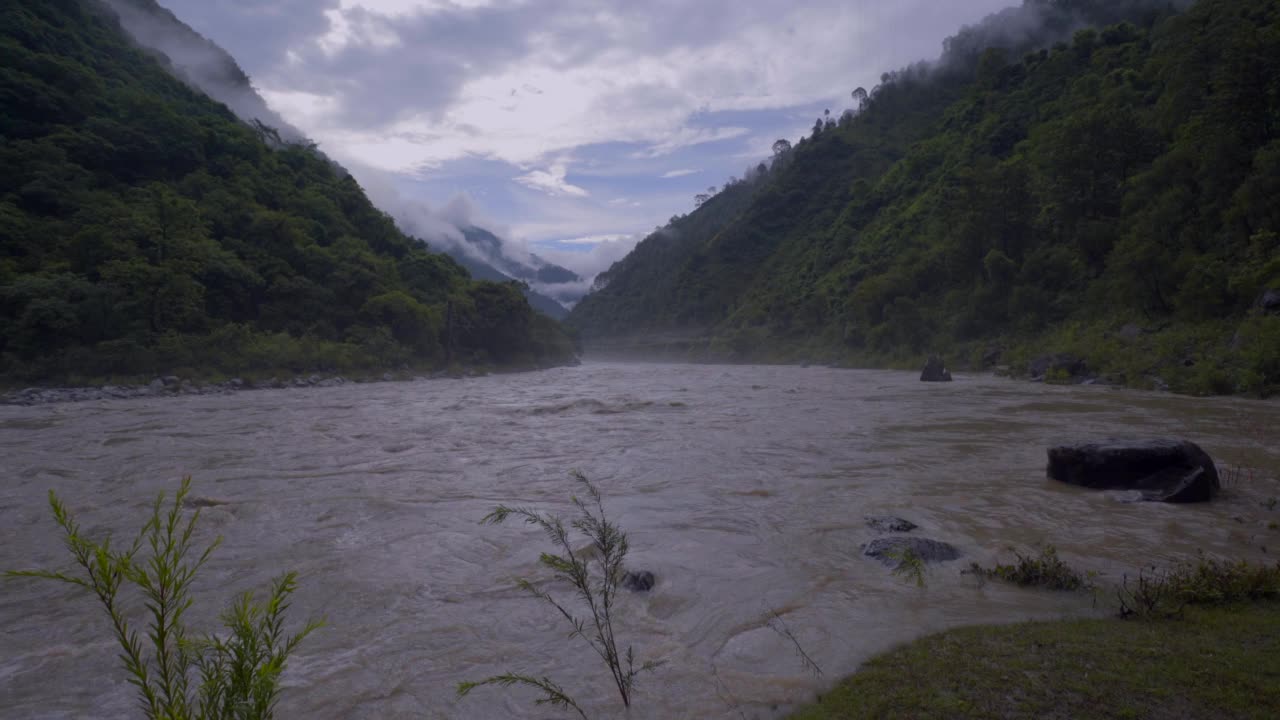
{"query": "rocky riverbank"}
(173, 386)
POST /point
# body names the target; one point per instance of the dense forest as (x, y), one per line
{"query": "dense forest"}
(1072, 176)
(144, 228)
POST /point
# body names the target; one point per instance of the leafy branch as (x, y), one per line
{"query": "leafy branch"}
(596, 591)
(239, 676)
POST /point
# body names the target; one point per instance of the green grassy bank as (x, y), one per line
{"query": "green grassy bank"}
(1212, 663)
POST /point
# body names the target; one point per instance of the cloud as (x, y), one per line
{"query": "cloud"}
(552, 181)
(591, 239)
(532, 80)
(588, 260)
(678, 173)
(429, 89)
(688, 137)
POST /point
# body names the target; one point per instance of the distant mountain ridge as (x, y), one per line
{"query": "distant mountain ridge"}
(493, 264)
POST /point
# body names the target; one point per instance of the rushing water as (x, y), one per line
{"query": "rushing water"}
(743, 488)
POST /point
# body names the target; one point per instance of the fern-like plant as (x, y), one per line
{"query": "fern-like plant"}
(596, 591)
(238, 675)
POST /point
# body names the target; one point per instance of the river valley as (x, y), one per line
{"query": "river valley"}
(742, 488)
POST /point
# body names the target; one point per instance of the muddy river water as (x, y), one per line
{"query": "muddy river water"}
(743, 489)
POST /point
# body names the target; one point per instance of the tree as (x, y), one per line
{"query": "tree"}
(781, 147)
(860, 98)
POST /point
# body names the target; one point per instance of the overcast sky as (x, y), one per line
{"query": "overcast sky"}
(567, 122)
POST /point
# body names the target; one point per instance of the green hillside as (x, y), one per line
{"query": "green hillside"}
(145, 229)
(1100, 182)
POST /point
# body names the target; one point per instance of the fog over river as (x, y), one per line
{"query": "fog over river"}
(743, 488)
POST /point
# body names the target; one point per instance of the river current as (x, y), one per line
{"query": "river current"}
(742, 488)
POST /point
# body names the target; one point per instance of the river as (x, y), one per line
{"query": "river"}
(743, 488)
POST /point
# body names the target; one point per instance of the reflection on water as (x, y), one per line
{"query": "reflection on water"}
(743, 488)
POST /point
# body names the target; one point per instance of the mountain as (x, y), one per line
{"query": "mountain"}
(484, 269)
(536, 270)
(210, 69)
(145, 228)
(485, 259)
(200, 63)
(1072, 176)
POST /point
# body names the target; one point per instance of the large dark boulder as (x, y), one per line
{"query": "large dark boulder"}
(1175, 471)
(935, 371)
(888, 550)
(1269, 301)
(1061, 364)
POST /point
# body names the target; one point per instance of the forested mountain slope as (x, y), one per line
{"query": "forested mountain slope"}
(145, 229)
(1110, 194)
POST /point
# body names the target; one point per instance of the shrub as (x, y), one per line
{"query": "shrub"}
(597, 592)
(1045, 569)
(1207, 581)
(238, 675)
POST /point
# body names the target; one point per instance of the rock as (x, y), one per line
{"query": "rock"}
(170, 380)
(641, 581)
(991, 357)
(203, 502)
(156, 386)
(235, 383)
(1269, 301)
(1175, 471)
(887, 549)
(1057, 364)
(889, 523)
(935, 371)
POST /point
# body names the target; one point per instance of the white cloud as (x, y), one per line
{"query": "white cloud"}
(621, 73)
(552, 181)
(688, 137)
(420, 87)
(592, 239)
(593, 259)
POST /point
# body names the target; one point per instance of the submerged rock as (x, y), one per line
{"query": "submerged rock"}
(1175, 471)
(888, 549)
(889, 523)
(198, 501)
(641, 581)
(935, 371)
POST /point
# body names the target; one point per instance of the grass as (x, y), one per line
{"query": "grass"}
(1216, 662)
